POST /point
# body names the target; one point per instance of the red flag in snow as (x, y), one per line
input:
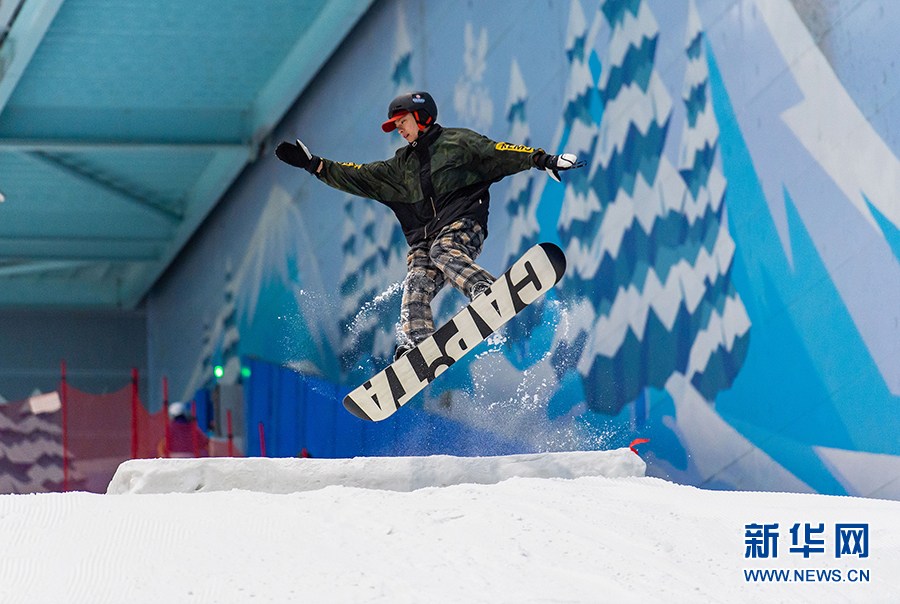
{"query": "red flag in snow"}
(637, 441)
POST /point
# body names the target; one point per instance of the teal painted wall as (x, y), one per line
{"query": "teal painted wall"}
(100, 348)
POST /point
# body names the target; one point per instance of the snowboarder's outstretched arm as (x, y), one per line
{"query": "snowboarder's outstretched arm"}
(496, 160)
(377, 180)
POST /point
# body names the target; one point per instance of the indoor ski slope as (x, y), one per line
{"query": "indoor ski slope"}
(563, 527)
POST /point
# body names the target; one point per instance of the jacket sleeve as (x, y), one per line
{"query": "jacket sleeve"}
(380, 180)
(495, 160)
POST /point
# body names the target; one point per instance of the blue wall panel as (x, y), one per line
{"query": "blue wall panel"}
(300, 411)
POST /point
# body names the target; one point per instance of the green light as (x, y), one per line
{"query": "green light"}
(245, 372)
(219, 371)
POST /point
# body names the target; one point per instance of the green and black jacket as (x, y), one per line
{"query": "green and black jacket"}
(441, 177)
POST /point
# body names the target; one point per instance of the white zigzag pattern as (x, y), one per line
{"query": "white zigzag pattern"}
(523, 224)
(30, 424)
(30, 451)
(350, 303)
(722, 330)
(694, 25)
(645, 206)
(630, 32)
(577, 25)
(577, 207)
(632, 106)
(705, 131)
(582, 137)
(580, 80)
(38, 475)
(631, 307)
(376, 285)
(351, 259)
(696, 72)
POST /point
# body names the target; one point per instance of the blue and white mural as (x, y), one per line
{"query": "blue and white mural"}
(733, 290)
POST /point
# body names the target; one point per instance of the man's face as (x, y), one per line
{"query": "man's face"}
(408, 128)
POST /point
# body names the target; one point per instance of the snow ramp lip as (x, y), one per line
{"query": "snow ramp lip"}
(290, 475)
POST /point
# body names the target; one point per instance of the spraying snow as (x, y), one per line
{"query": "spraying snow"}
(561, 527)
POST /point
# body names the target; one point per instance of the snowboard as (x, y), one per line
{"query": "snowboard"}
(530, 277)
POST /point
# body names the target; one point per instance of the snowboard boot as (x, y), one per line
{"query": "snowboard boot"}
(478, 289)
(400, 350)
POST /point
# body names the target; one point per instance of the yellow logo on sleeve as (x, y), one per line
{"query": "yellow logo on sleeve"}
(509, 147)
(349, 165)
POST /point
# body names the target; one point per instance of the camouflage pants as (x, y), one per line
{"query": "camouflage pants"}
(429, 265)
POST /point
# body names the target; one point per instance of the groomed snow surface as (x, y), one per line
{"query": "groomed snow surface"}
(555, 527)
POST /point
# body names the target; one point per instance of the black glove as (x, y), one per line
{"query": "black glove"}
(554, 163)
(297, 155)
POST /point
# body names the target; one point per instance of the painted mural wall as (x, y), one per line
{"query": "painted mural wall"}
(733, 289)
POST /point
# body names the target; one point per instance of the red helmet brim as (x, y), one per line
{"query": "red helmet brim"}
(390, 125)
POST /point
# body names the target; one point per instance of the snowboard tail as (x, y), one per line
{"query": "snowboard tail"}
(530, 277)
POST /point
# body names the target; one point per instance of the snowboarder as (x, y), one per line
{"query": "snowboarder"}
(437, 186)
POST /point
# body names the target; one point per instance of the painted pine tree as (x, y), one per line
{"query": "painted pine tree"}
(231, 336)
(578, 203)
(350, 286)
(607, 230)
(374, 254)
(31, 451)
(649, 254)
(359, 287)
(524, 230)
(720, 344)
(393, 242)
(207, 351)
(371, 280)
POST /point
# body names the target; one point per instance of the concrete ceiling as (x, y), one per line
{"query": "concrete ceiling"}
(123, 123)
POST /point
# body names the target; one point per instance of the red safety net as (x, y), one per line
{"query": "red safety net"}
(150, 433)
(97, 432)
(104, 430)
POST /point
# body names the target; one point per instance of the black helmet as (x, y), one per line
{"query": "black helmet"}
(420, 104)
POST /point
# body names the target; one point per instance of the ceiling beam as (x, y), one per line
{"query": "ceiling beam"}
(88, 146)
(202, 198)
(161, 125)
(51, 292)
(7, 12)
(27, 31)
(36, 268)
(145, 201)
(112, 249)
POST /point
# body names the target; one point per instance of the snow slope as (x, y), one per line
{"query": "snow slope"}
(502, 530)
